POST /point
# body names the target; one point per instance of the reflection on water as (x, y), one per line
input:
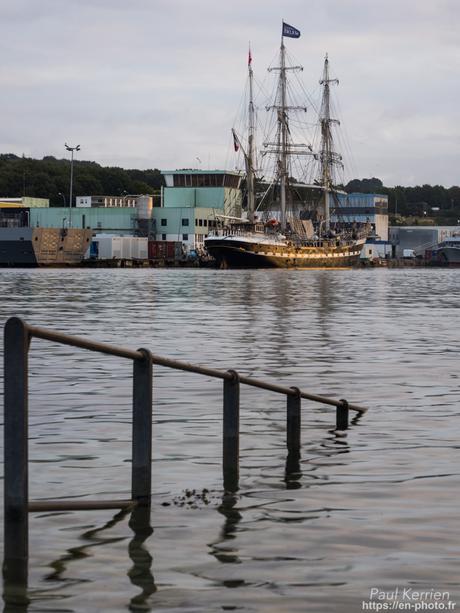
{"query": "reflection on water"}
(222, 549)
(61, 578)
(140, 573)
(374, 506)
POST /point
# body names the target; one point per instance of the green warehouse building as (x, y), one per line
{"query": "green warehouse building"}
(191, 202)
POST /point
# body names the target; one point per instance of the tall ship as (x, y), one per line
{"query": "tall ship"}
(281, 231)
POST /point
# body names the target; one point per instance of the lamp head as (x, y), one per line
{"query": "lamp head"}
(77, 148)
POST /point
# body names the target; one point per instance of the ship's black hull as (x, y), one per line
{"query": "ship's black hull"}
(243, 254)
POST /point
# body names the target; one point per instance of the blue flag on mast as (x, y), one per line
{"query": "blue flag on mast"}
(290, 31)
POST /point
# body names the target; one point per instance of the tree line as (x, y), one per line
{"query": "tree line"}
(422, 201)
(49, 178)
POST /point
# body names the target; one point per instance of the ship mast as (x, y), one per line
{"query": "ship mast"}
(283, 147)
(251, 155)
(283, 126)
(327, 156)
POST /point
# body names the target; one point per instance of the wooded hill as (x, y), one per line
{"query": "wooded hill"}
(49, 177)
(414, 204)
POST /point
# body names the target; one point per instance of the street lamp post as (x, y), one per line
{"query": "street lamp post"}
(63, 198)
(71, 149)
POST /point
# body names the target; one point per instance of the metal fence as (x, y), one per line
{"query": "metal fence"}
(18, 335)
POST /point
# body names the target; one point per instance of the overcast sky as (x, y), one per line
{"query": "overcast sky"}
(157, 83)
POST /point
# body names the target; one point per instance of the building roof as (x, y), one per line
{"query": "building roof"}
(365, 194)
(194, 171)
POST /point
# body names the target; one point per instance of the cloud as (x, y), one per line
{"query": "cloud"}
(157, 82)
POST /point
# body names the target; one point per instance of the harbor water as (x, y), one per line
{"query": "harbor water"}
(373, 508)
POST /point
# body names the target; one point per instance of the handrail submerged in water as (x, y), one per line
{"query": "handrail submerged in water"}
(18, 335)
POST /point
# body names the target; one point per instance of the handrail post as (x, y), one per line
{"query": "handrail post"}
(16, 456)
(231, 432)
(293, 422)
(342, 412)
(141, 483)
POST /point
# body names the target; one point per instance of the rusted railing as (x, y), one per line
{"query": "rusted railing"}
(18, 335)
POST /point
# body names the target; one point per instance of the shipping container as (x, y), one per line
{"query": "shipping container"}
(165, 250)
(109, 247)
(140, 248)
(126, 250)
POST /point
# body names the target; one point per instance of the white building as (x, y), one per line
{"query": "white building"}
(105, 201)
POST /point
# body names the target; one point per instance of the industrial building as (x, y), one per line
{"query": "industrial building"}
(110, 219)
(419, 238)
(371, 209)
(26, 201)
(191, 202)
(364, 208)
(13, 215)
(23, 244)
(117, 221)
(189, 225)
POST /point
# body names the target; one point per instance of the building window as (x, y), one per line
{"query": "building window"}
(163, 237)
(200, 222)
(185, 237)
(206, 222)
(164, 222)
(185, 222)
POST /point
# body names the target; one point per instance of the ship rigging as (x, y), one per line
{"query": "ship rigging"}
(288, 240)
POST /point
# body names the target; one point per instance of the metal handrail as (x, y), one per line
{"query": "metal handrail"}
(18, 335)
(227, 375)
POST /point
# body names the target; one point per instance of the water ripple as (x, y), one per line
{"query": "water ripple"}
(374, 507)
